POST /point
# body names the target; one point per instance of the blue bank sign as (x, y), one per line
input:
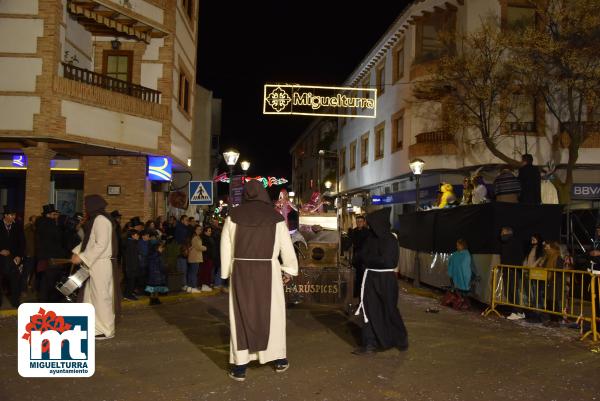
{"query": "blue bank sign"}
(160, 168)
(585, 191)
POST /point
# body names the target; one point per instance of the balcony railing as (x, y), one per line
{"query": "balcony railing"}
(111, 84)
(435, 137)
(589, 127)
(529, 126)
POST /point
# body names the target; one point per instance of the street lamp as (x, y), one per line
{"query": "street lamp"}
(417, 166)
(231, 157)
(245, 166)
(328, 184)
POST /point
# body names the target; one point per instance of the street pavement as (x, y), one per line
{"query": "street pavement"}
(179, 351)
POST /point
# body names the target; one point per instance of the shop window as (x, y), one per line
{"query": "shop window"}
(397, 131)
(364, 149)
(117, 64)
(379, 141)
(353, 155)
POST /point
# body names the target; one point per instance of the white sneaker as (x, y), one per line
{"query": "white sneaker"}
(206, 288)
(194, 290)
(184, 288)
(189, 290)
(516, 316)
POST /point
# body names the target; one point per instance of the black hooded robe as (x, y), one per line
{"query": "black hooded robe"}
(383, 326)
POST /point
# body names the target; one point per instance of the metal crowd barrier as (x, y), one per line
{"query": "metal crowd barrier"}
(567, 293)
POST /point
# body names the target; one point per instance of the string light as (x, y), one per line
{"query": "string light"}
(266, 181)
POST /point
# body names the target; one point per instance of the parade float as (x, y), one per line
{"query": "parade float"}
(323, 277)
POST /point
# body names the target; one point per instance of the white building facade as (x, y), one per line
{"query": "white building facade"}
(375, 153)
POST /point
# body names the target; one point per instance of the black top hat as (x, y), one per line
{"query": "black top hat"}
(115, 213)
(49, 208)
(8, 210)
(136, 222)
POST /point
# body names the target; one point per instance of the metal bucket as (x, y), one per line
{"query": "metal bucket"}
(74, 283)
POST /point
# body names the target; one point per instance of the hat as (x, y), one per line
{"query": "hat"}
(115, 213)
(135, 221)
(131, 232)
(49, 208)
(9, 210)
(144, 232)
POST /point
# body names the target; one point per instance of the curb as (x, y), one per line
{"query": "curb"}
(141, 302)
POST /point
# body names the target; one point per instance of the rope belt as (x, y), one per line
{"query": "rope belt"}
(259, 260)
(361, 306)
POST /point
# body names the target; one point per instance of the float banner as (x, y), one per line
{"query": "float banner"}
(320, 101)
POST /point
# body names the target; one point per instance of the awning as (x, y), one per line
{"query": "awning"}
(102, 18)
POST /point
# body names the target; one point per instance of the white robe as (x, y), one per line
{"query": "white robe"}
(276, 348)
(99, 290)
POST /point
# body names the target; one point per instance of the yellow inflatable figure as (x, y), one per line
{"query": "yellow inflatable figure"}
(448, 196)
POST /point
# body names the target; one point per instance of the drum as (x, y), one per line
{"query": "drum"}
(74, 283)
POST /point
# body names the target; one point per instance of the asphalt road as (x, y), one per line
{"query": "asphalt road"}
(179, 351)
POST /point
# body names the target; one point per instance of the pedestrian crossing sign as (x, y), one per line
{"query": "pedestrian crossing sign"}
(201, 192)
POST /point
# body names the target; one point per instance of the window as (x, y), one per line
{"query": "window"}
(353, 155)
(342, 158)
(117, 64)
(379, 141)
(364, 149)
(188, 7)
(184, 92)
(398, 70)
(429, 45)
(381, 78)
(520, 17)
(397, 131)
(523, 118)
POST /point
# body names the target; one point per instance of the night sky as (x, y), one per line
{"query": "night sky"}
(243, 45)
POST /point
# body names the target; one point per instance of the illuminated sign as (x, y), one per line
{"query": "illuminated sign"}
(320, 100)
(160, 168)
(19, 161)
(585, 191)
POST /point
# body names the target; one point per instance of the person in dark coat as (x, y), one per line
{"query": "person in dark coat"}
(358, 237)
(131, 261)
(383, 326)
(49, 245)
(531, 181)
(157, 273)
(12, 250)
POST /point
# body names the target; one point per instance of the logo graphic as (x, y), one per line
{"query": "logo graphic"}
(56, 340)
(19, 161)
(278, 99)
(201, 192)
(320, 101)
(160, 168)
